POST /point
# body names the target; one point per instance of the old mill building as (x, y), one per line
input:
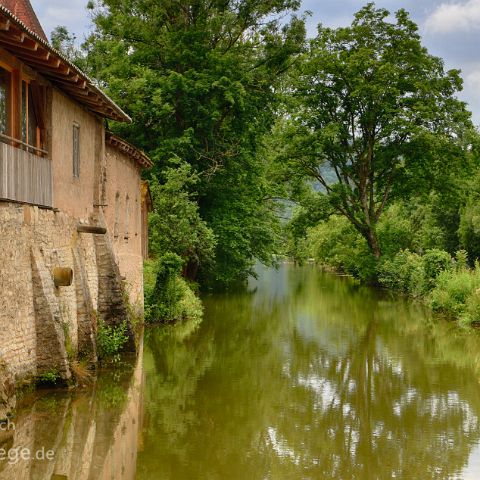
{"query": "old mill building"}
(73, 208)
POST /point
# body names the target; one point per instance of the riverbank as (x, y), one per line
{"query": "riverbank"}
(443, 283)
(302, 374)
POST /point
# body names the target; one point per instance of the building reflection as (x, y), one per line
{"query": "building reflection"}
(94, 434)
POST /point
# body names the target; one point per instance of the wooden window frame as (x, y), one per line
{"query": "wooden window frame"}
(126, 235)
(11, 120)
(37, 143)
(76, 149)
(35, 88)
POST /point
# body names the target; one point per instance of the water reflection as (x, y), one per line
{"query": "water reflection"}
(93, 434)
(311, 377)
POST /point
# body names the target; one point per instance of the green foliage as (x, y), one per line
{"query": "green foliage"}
(372, 107)
(111, 339)
(169, 298)
(63, 41)
(404, 272)
(336, 244)
(200, 80)
(454, 291)
(461, 258)
(469, 229)
(434, 263)
(50, 377)
(175, 223)
(395, 230)
(311, 209)
(411, 273)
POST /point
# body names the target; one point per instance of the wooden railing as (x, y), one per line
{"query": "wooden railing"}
(24, 176)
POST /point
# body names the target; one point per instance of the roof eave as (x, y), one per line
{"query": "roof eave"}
(52, 64)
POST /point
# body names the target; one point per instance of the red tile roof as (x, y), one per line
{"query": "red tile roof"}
(33, 49)
(23, 10)
(133, 152)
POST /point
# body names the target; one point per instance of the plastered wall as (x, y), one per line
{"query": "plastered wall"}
(123, 216)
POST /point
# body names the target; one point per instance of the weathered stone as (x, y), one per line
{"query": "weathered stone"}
(7, 391)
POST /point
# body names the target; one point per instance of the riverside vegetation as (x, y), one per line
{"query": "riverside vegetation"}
(360, 128)
(393, 160)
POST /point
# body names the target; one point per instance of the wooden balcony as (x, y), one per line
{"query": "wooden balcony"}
(25, 175)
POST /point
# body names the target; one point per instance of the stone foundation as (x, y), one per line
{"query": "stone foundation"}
(45, 327)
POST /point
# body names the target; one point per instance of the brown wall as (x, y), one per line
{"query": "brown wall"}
(122, 182)
(75, 196)
(46, 325)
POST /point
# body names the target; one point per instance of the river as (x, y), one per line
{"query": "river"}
(304, 376)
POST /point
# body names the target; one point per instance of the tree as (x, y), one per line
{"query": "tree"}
(199, 80)
(64, 41)
(175, 221)
(370, 105)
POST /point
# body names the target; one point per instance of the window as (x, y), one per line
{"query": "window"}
(76, 150)
(117, 215)
(32, 113)
(5, 101)
(127, 216)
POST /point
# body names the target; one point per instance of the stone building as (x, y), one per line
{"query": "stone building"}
(73, 208)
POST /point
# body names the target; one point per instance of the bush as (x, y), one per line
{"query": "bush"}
(434, 262)
(414, 274)
(50, 377)
(111, 339)
(336, 244)
(170, 298)
(403, 272)
(455, 293)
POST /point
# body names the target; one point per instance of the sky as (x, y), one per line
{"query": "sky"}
(450, 29)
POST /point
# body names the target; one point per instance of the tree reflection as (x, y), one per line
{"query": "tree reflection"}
(311, 377)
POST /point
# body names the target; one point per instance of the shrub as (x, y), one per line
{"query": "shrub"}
(472, 308)
(455, 293)
(111, 339)
(469, 229)
(403, 272)
(171, 298)
(336, 244)
(49, 377)
(434, 262)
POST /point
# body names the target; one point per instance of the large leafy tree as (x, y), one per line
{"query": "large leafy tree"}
(374, 109)
(199, 80)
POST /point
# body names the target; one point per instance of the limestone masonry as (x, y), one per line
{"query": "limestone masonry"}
(73, 210)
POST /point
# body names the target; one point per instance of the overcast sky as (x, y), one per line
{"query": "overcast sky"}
(450, 29)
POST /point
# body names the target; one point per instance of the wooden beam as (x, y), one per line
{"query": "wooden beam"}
(27, 56)
(5, 25)
(56, 67)
(21, 41)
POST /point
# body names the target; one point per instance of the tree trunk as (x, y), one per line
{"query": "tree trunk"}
(372, 241)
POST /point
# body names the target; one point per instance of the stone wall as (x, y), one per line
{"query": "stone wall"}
(45, 327)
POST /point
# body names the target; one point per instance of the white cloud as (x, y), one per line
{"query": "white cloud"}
(455, 17)
(73, 14)
(471, 76)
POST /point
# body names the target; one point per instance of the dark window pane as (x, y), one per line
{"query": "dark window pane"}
(4, 101)
(76, 151)
(24, 111)
(32, 120)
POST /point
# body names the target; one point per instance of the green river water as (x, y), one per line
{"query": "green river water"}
(303, 376)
